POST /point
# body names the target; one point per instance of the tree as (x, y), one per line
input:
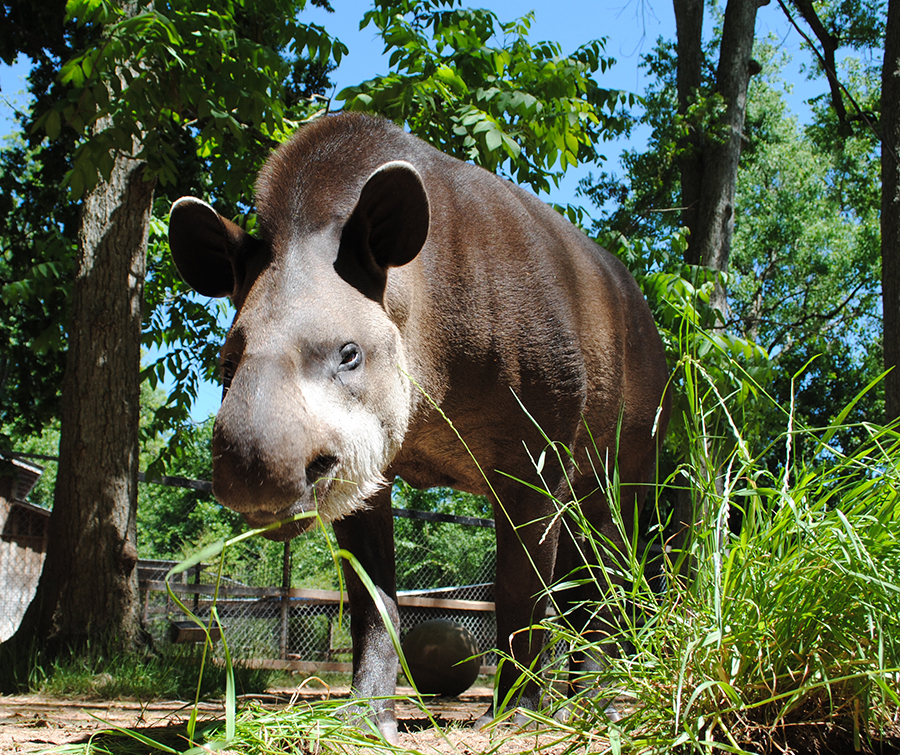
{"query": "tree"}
(132, 110)
(709, 164)
(803, 276)
(37, 232)
(36, 255)
(890, 208)
(864, 26)
(804, 281)
(88, 587)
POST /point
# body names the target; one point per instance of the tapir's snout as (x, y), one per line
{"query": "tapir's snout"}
(284, 445)
(272, 459)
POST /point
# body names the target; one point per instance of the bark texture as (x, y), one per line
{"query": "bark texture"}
(689, 32)
(710, 164)
(890, 208)
(88, 586)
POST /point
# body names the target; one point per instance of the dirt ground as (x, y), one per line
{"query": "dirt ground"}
(33, 724)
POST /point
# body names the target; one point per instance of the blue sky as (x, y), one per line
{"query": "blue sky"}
(631, 27)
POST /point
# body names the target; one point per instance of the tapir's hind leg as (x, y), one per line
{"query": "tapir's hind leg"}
(593, 555)
(369, 535)
(525, 557)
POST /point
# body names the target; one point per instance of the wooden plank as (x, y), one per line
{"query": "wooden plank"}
(238, 591)
(313, 596)
(452, 605)
(318, 667)
(434, 516)
(306, 667)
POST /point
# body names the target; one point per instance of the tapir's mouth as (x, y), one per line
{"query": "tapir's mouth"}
(307, 506)
(290, 528)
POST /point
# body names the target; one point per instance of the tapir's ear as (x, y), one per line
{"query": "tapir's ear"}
(392, 213)
(204, 245)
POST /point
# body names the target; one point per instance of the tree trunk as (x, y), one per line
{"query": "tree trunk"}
(709, 166)
(715, 221)
(890, 209)
(88, 586)
(689, 32)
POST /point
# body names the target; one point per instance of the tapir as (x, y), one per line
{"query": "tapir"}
(400, 312)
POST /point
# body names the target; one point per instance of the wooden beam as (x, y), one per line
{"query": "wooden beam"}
(313, 596)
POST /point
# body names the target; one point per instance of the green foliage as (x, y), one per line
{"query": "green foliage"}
(441, 554)
(501, 103)
(221, 74)
(174, 520)
(644, 204)
(36, 252)
(805, 258)
(186, 335)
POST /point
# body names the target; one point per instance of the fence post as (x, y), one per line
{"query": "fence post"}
(285, 598)
(196, 571)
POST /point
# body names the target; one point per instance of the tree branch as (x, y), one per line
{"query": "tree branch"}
(827, 61)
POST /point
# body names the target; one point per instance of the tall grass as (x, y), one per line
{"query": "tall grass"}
(785, 633)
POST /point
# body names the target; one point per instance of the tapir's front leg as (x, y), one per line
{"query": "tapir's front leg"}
(369, 535)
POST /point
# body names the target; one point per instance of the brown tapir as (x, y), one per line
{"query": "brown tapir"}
(392, 288)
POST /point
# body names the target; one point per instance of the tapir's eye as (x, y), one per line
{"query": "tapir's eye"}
(351, 357)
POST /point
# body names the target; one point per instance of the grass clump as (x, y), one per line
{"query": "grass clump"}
(778, 633)
(171, 673)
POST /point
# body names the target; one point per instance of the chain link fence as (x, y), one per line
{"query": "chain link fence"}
(280, 604)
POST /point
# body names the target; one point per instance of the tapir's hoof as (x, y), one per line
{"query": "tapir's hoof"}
(361, 717)
(388, 730)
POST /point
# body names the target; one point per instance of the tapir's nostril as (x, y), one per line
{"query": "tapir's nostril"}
(320, 467)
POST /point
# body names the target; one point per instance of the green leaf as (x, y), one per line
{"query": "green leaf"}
(75, 181)
(493, 139)
(52, 124)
